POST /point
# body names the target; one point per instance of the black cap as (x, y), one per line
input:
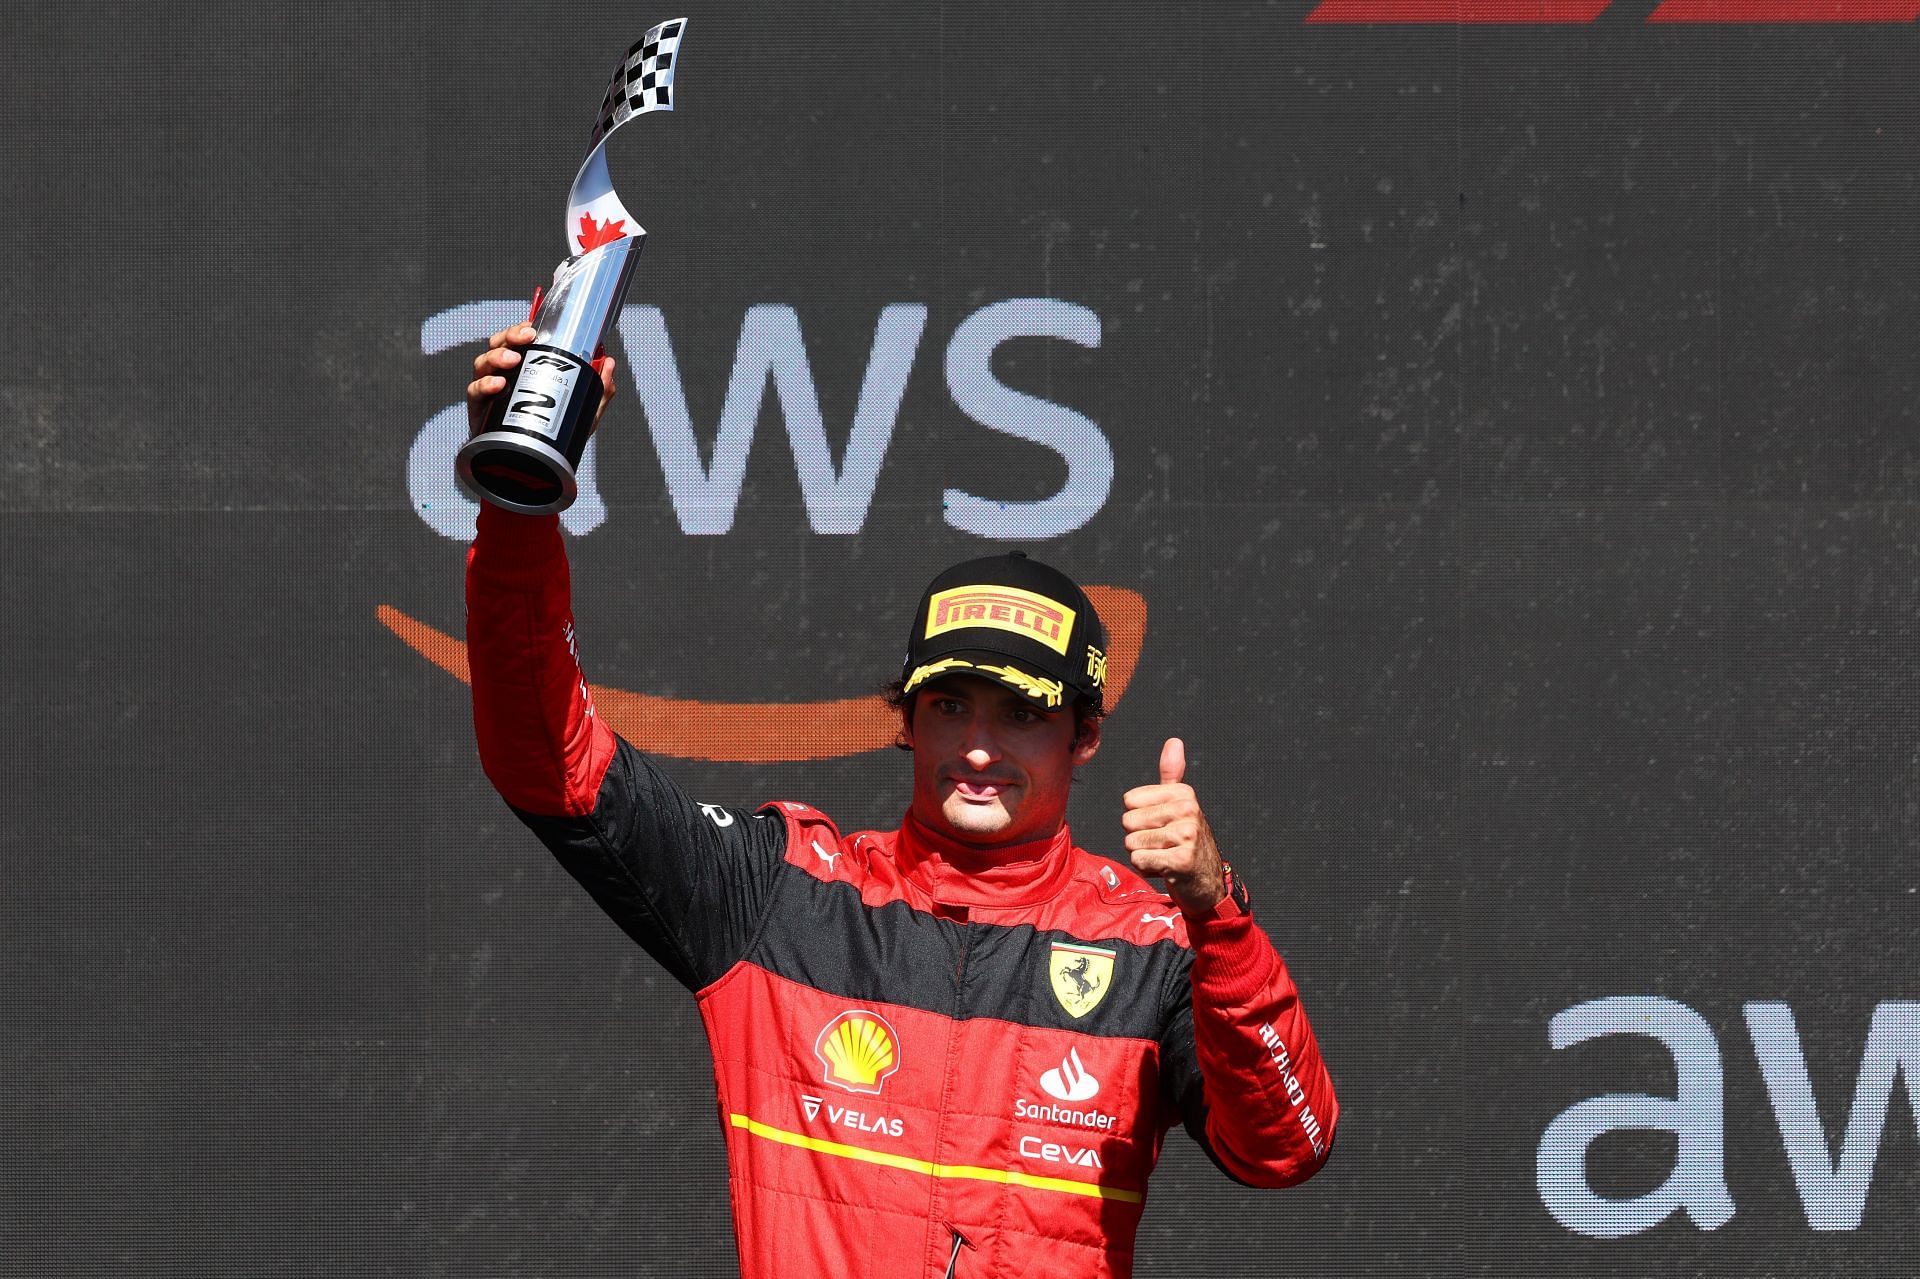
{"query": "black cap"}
(1011, 619)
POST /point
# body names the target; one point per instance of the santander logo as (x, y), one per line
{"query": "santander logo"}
(1070, 1081)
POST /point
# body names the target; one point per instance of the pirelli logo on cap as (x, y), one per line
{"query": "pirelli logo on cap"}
(1002, 608)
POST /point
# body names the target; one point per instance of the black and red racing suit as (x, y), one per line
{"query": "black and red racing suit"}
(928, 1063)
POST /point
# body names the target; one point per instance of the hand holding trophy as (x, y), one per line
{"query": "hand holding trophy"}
(524, 456)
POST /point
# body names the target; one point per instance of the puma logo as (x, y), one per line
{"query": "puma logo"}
(1168, 920)
(825, 856)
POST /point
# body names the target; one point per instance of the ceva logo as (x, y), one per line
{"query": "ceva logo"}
(706, 496)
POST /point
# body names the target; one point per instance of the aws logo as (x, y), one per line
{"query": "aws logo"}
(706, 492)
(705, 496)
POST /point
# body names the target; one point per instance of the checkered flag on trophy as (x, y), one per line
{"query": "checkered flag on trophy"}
(643, 81)
(527, 455)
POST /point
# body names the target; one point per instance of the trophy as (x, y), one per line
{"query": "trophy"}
(524, 457)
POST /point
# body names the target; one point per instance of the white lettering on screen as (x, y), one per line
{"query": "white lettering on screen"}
(1832, 1189)
(706, 493)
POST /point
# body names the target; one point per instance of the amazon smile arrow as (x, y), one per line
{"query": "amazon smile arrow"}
(773, 732)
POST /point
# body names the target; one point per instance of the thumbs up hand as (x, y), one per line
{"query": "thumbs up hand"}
(1168, 837)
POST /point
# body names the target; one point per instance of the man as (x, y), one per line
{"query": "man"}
(950, 1049)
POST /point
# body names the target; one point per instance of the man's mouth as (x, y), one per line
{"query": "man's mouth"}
(980, 789)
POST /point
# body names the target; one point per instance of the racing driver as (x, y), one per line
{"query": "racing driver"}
(946, 1050)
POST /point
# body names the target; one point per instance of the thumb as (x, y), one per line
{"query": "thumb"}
(1173, 760)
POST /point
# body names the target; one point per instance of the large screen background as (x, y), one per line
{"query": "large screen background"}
(1512, 435)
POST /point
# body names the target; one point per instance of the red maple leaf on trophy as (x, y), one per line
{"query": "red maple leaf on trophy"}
(594, 234)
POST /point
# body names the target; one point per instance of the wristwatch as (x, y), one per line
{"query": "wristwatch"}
(1236, 889)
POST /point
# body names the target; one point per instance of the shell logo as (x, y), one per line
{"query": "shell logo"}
(857, 1051)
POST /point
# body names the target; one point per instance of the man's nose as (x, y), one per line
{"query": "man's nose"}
(977, 744)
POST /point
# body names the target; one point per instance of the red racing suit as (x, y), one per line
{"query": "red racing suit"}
(928, 1062)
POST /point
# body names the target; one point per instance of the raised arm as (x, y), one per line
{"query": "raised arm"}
(1241, 1061)
(1238, 1055)
(687, 880)
(541, 744)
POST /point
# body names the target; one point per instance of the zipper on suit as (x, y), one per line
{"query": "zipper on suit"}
(965, 930)
(953, 1261)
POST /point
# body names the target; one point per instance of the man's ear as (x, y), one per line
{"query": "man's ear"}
(1086, 741)
(903, 740)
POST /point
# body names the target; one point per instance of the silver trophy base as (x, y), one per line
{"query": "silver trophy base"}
(537, 428)
(517, 472)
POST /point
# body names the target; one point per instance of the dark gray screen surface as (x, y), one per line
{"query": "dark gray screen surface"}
(1511, 431)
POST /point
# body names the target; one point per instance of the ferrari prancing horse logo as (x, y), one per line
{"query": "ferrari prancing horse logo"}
(1081, 975)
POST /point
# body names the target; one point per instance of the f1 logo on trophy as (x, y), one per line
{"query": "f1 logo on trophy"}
(524, 457)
